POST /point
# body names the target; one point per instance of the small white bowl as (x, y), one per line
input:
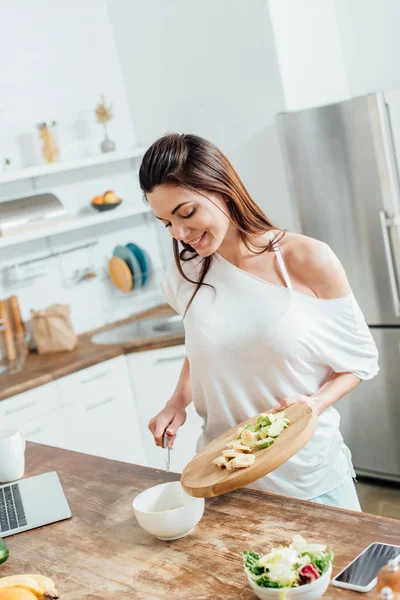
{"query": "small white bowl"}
(309, 591)
(167, 511)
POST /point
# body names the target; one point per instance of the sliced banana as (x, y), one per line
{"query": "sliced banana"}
(241, 462)
(248, 438)
(220, 461)
(230, 453)
(237, 445)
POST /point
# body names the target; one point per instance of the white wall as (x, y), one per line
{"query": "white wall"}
(332, 50)
(208, 68)
(310, 57)
(369, 34)
(56, 59)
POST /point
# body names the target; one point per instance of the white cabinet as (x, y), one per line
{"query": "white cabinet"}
(154, 375)
(105, 410)
(37, 414)
(99, 410)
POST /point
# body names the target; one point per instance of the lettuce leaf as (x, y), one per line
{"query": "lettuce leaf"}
(263, 581)
(250, 562)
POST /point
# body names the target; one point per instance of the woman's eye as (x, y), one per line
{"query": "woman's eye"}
(190, 214)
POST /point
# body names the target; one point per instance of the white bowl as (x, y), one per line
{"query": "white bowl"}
(309, 591)
(167, 511)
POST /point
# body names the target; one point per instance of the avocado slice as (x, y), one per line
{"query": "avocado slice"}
(250, 427)
(264, 420)
(261, 444)
(264, 432)
(3, 551)
(277, 427)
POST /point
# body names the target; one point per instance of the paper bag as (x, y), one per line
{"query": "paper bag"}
(52, 329)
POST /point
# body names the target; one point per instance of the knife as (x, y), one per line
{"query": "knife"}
(166, 445)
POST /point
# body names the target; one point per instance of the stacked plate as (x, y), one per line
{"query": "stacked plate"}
(129, 267)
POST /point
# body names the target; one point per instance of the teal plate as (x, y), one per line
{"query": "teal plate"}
(132, 262)
(143, 259)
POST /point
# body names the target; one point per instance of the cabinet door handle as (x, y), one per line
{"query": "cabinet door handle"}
(391, 263)
(170, 359)
(100, 403)
(11, 411)
(95, 377)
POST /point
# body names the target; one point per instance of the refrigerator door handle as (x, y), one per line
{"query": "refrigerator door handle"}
(390, 262)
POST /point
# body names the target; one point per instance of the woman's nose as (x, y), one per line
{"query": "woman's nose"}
(180, 232)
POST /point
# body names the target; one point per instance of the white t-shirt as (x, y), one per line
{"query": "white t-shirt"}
(251, 343)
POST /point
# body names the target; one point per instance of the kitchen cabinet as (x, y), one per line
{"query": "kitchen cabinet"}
(99, 411)
(104, 410)
(37, 414)
(154, 375)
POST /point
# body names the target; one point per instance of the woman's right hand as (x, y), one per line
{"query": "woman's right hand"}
(170, 418)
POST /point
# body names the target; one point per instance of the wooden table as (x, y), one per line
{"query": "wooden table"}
(102, 553)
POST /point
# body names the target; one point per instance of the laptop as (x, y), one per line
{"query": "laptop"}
(32, 502)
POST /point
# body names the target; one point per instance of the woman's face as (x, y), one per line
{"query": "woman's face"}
(190, 217)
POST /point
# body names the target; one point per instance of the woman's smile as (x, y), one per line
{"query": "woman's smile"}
(199, 241)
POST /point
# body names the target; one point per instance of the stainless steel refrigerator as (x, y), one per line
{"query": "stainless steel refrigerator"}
(343, 169)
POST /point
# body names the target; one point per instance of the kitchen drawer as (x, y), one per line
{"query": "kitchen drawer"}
(91, 382)
(24, 407)
(99, 412)
(107, 424)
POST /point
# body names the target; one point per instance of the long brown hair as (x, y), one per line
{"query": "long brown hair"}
(196, 164)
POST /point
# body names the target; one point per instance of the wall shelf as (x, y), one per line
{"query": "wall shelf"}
(72, 224)
(70, 165)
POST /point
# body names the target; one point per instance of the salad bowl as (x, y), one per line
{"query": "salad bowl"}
(310, 591)
(300, 571)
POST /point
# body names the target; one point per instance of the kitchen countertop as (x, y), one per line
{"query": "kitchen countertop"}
(43, 368)
(102, 553)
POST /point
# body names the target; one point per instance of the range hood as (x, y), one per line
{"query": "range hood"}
(30, 212)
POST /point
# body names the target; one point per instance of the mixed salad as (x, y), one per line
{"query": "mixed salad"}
(298, 564)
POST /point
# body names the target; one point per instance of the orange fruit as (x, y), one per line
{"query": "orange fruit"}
(98, 200)
(16, 593)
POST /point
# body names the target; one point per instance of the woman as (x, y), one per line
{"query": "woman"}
(269, 317)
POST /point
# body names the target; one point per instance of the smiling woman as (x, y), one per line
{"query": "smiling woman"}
(190, 190)
(269, 317)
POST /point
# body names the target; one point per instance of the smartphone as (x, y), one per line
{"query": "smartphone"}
(360, 574)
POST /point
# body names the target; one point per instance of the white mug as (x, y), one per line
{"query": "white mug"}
(12, 455)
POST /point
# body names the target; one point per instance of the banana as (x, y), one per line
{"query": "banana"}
(241, 462)
(220, 461)
(41, 586)
(47, 585)
(21, 581)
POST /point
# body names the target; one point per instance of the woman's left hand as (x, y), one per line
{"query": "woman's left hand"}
(286, 402)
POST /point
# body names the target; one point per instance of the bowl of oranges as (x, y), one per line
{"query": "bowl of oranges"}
(107, 201)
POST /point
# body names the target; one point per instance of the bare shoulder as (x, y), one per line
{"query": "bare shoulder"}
(314, 264)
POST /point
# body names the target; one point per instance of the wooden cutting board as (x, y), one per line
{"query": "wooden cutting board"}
(202, 479)
(120, 274)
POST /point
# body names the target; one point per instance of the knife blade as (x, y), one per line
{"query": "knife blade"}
(166, 445)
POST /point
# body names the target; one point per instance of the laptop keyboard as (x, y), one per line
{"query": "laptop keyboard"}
(12, 513)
